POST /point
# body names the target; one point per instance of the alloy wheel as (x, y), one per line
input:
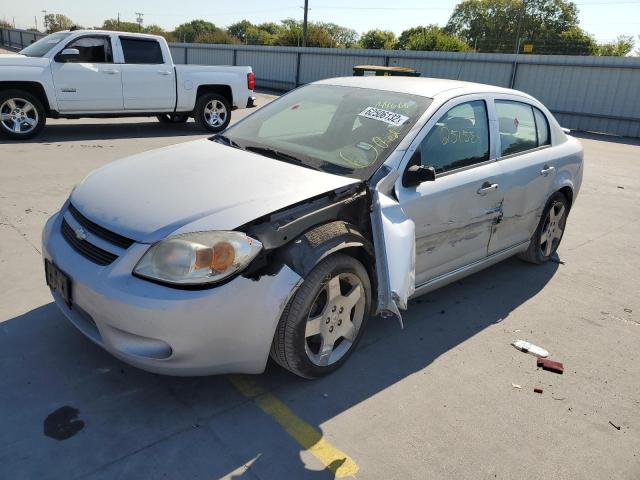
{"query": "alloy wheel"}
(334, 319)
(18, 115)
(215, 113)
(552, 229)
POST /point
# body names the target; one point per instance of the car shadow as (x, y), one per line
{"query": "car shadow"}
(71, 131)
(140, 425)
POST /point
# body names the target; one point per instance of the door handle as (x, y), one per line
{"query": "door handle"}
(110, 71)
(487, 187)
(164, 72)
(546, 170)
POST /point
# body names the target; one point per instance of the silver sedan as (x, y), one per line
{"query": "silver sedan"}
(282, 236)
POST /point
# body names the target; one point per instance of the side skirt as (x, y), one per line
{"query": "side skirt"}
(474, 267)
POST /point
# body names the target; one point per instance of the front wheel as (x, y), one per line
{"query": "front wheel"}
(547, 237)
(22, 114)
(324, 321)
(213, 112)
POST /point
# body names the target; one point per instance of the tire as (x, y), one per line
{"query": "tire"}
(295, 347)
(548, 234)
(172, 118)
(205, 116)
(16, 105)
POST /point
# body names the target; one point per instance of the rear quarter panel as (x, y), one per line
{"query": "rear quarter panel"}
(190, 77)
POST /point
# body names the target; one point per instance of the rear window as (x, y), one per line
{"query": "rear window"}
(141, 51)
(517, 127)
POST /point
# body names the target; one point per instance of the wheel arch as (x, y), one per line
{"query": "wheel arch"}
(34, 88)
(224, 90)
(567, 191)
(319, 242)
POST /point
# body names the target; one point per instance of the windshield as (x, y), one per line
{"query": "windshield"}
(344, 130)
(42, 46)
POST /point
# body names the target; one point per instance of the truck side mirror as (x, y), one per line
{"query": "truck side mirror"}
(68, 55)
(416, 173)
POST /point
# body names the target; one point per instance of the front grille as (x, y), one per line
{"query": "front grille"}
(88, 250)
(98, 231)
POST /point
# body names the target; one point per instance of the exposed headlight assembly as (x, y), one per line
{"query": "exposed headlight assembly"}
(198, 258)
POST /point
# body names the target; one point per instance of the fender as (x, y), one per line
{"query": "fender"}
(313, 246)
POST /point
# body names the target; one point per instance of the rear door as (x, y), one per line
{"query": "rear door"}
(148, 76)
(527, 167)
(91, 82)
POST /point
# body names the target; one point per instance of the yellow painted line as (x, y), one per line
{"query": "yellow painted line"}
(308, 437)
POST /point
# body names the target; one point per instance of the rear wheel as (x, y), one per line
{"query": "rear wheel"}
(213, 112)
(324, 321)
(172, 118)
(22, 114)
(547, 237)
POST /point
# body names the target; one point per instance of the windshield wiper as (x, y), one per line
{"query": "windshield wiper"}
(227, 140)
(278, 155)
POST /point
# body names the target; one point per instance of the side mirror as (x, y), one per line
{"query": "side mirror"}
(416, 174)
(68, 54)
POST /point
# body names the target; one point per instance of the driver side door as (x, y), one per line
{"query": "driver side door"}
(90, 81)
(455, 213)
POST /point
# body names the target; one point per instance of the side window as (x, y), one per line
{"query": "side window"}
(458, 139)
(517, 127)
(542, 127)
(92, 50)
(141, 51)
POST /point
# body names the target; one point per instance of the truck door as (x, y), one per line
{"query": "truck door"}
(148, 79)
(88, 81)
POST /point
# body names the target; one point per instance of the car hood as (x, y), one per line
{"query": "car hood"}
(14, 60)
(194, 186)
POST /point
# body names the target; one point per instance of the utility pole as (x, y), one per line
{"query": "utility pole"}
(118, 19)
(46, 24)
(304, 23)
(139, 20)
(35, 19)
(522, 12)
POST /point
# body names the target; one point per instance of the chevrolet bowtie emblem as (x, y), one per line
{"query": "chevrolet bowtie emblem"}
(81, 233)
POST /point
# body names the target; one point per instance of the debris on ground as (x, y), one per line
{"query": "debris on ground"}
(538, 390)
(628, 310)
(550, 365)
(617, 427)
(528, 347)
(515, 385)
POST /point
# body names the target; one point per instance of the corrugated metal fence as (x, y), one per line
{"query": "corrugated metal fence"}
(600, 94)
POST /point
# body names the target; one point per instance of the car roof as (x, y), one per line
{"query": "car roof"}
(423, 86)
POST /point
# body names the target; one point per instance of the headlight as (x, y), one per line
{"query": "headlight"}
(198, 258)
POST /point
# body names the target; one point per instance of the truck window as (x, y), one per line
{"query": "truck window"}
(92, 50)
(141, 51)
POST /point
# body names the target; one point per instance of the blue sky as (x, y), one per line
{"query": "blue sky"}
(606, 19)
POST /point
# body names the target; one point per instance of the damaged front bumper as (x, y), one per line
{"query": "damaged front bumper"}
(226, 329)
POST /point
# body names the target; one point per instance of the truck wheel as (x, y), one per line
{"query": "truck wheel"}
(213, 112)
(325, 319)
(172, 118)
(22, 115)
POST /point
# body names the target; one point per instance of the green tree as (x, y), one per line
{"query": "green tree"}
(187, 32)
(256, 36)
(5, 24)
(494, 25)
(341, 37)
(576, 41)
(290, 34)
(239, 29)
(431, 37)
(54, 22)
(378, 39)
(620, 47)
(217, 36)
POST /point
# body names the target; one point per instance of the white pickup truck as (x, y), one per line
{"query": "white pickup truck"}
(93, 73)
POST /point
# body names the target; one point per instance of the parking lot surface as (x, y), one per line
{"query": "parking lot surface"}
(433, 400)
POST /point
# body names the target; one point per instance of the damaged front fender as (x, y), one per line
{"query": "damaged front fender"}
(394, 241)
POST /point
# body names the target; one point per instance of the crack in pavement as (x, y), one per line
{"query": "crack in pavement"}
(23, 235)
